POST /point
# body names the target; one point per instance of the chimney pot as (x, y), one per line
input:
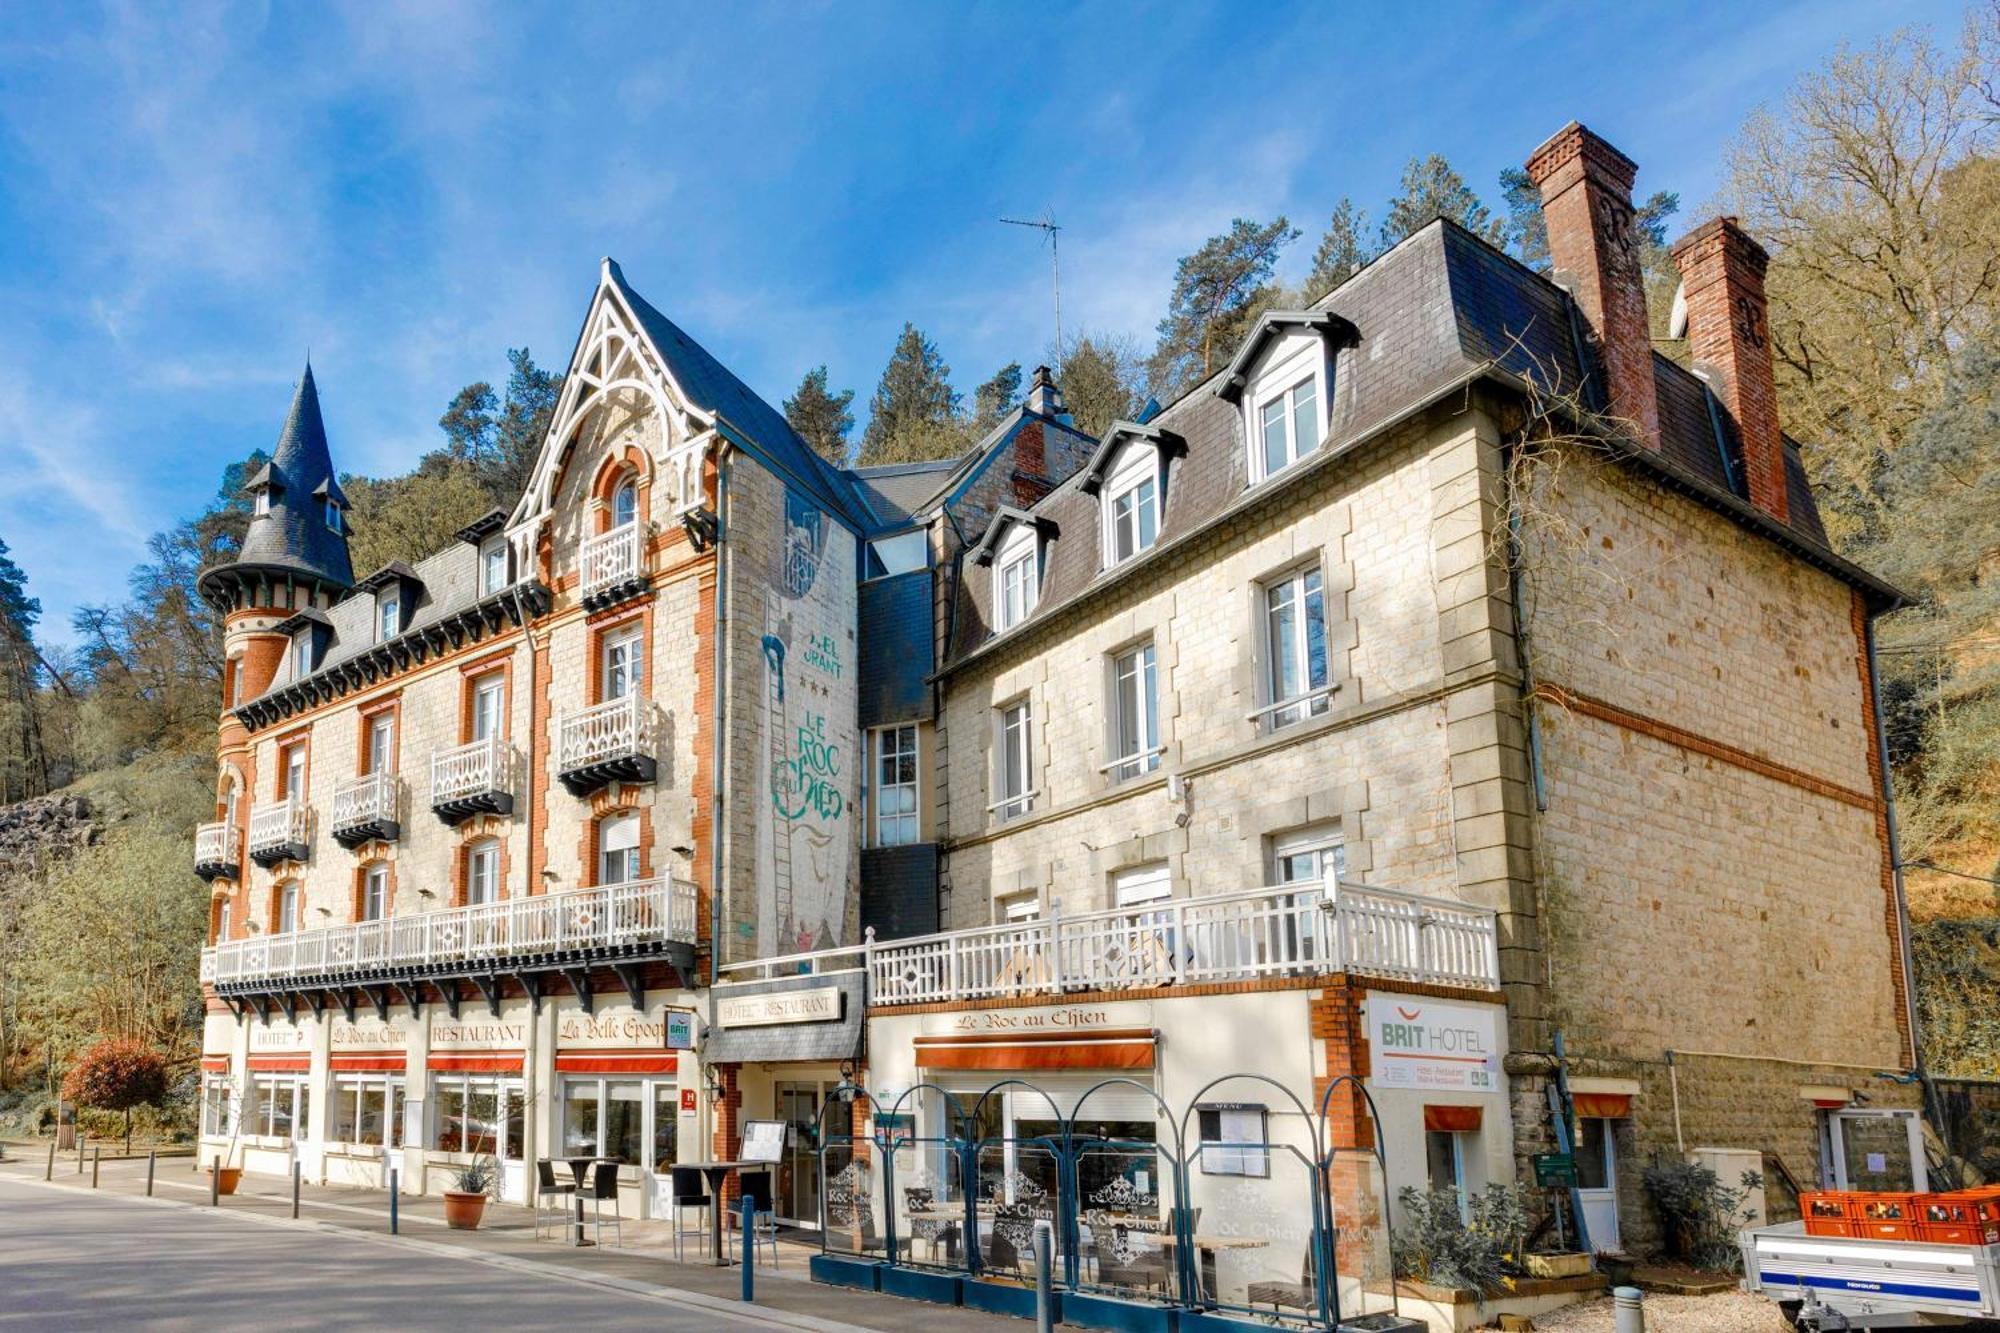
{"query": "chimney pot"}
(1722, 281)
(1586, 187)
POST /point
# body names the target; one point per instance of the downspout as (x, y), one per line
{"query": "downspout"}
(1534, 717)
(1907, 957)
(717, 743)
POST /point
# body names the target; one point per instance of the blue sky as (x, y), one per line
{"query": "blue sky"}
(192, 195)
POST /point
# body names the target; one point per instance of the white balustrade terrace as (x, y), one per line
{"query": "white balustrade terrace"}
(275, 824)
(215, 845)
(1285, 929)
(611, 558)
(368, 799)
(612, 730)
(469, 770)
(608, 916)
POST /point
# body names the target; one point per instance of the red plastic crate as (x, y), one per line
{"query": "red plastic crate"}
(1822, 1206)
(1885, 1230)
(1960, 1233)
(1830, 1226)
(1945, 1209)
(1885, 1207)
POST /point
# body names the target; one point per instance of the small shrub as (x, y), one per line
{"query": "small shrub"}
(481, 1175)
(1700, 1214)
(1435, 1244)
(118, 1074)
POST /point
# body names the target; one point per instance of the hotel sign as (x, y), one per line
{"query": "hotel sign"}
(820, 1004)
(279, 1038)
(1429, 1045)
(623, 1028)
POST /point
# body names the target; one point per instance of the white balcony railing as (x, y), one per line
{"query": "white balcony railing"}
(277, 824)
(469, 770)
(610, 916)
(612, 558)
(216, 845)
(604, 731)
(1285, 929)
(369, 799)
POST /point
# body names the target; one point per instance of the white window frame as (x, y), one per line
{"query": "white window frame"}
(1298, 362)
(622, 662)
(261, 505)
(1324, 843)
(1136, 468)
(260, 1108)
(302, 654)
(1020, 551)
(388, 615)
(468, 1086)
(291, 908)
(482, 872)
(294, 760)
(218, 1107)
(625, 494)
(1460, 1187)
(222, 922)
(901, 553)
(381, 744)
(489, 721)
(492, 580)
(587, 1089)
(1303, 583)
(895, 806)
(349, 1087)
(1142, 885)
(374, 903)
(1014, 738)
(1140, 663)
(625, 868)
(1018, 908)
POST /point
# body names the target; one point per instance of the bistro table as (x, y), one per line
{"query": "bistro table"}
(715, 1173)
(580, 1167)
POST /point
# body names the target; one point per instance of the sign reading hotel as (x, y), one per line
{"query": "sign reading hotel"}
(1429, 1045)
(820, 1004)
(479, 1034)
(371, 1034)
(623, 1028)
(276, 1038)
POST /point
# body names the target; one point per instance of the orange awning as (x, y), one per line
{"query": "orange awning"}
(1109, 1048)
(483, 1062)
(1452, 1119)
(370, 1062)
(215, 1064)
(1604, 1105)
(289, 1064)
(613, 1062)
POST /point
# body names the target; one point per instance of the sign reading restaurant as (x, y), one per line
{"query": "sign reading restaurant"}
(479, 1034)
(1434, 1046)
(820, 1004)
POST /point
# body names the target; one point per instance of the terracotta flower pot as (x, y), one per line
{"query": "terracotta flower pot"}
(462, 1211)
(227, 1178)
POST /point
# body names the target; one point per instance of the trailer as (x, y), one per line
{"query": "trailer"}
(1830, 1283)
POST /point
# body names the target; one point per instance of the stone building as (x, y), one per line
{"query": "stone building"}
(1448, 703)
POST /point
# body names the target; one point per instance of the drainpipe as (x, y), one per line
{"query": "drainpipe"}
(1895, 851)
(717, 744)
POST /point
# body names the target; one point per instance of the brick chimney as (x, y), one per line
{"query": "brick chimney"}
(1722, 281)
(1586, 187)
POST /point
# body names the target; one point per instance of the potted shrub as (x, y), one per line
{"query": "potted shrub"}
(118, 1074)
(465, 1204)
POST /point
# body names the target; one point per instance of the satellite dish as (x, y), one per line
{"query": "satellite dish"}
(1677, 321)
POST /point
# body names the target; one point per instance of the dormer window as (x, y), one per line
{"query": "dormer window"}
(1288, 424)
(1282, 380)
(388, 616)
(492, 565)
(1132, 505)
(333, 519)
(302, 654)
(1017, 577)
(262, 504)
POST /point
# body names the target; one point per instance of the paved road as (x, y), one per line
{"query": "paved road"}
(74, 1261)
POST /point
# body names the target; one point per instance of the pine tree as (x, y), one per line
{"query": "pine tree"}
(914, 414)
(821, 417)
(1216, 292)
(1431, 189)
(1341, 251)
(524, 419)
(995, 398)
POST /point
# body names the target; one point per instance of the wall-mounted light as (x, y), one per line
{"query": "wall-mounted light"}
(702, 527)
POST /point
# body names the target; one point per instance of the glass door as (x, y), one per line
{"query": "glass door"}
(1597, 1182)
(798, 1174)
(1877, 1151)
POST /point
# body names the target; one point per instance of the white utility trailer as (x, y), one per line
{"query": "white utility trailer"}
(1829, 1283)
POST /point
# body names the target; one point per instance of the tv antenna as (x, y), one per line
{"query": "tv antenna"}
(1047, 225)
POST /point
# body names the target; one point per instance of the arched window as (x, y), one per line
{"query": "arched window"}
(482, 872)
(290, 906)
(374, 904)
(618, 849)
(625, 502)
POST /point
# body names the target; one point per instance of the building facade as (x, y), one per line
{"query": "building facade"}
(1446, 730)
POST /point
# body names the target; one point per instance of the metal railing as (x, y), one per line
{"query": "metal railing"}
(466, 770)
(215, 845)
(368, 799)
(611, 558)
(603, 731)
(1311, 927)
(612, 915)
(275, 824)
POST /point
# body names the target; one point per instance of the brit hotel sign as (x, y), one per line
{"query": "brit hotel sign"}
(1433, 1046)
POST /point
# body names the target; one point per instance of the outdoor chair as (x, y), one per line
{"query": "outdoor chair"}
(1122, 1264)
(756, 1187)
(603, 1186)
(690, 1193)
(552, 1198)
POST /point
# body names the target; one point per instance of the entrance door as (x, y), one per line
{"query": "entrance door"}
(1877, 1150)
(1597, 1182)
(798, 1174)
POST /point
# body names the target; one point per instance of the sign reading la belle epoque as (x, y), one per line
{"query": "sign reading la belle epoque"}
(623, 1028)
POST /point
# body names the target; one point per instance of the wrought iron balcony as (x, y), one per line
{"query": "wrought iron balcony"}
(472, 779)
(280, 831)
(218, 853)
(609, 742)
(365, 810)
(612, 565)
(550, 931)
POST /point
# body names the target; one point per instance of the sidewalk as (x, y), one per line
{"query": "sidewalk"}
(507, 1237)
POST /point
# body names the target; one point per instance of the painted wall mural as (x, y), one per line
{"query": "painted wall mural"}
(809, 759)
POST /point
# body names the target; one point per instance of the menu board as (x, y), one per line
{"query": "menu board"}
(763, 1140)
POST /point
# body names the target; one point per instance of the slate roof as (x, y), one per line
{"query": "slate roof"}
(899, 491)
(1436, 313)
(293, 537)
(749, 421)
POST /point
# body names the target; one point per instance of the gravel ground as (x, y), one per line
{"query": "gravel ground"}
(1724, 1312)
